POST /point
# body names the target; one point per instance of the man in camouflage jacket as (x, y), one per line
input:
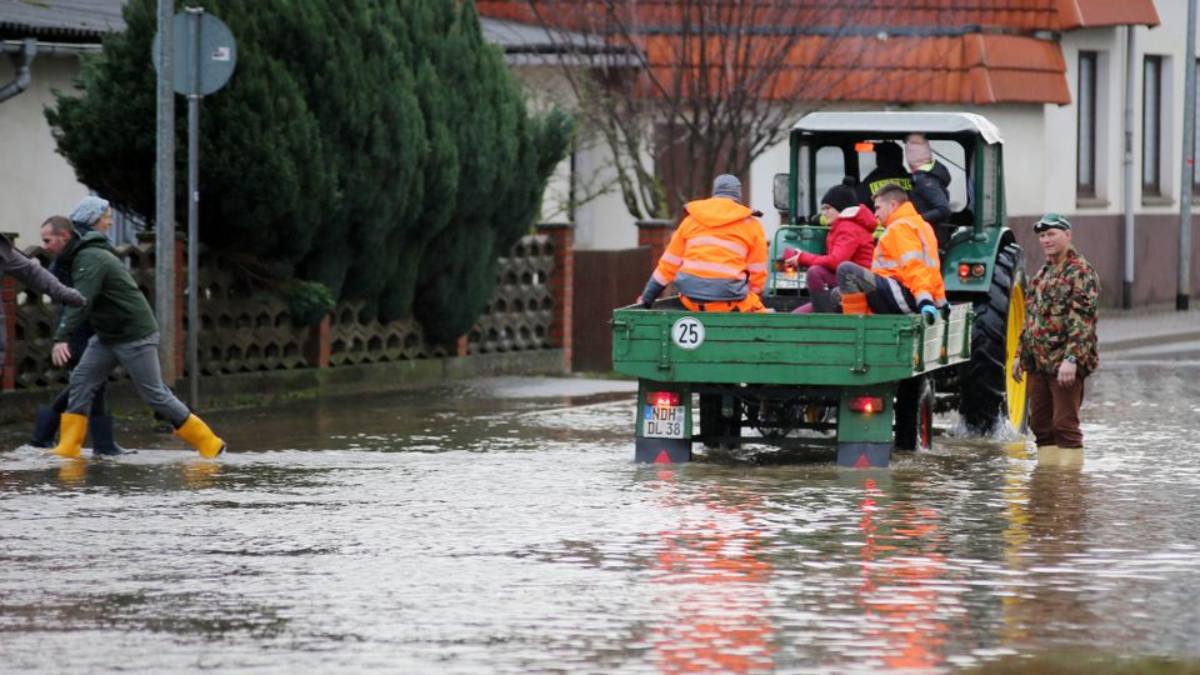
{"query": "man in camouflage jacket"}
(1058, 342)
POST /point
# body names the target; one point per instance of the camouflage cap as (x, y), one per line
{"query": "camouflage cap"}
(1051, 221)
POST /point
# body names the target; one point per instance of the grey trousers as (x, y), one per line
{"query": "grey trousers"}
(851, 278)
(140, 359)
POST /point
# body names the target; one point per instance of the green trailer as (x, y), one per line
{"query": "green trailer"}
(868, 384)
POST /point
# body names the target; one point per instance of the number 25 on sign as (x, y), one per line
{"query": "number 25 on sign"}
(688, 333)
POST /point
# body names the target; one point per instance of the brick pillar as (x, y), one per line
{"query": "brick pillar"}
(8, 369)
(319, 344)
(8, 302)
(656, 234)
(462, 346)
(562, 286)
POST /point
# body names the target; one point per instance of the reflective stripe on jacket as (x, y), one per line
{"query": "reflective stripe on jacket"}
(718, 252)
(908, 253)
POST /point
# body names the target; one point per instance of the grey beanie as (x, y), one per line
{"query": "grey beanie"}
(89, 210)
(727, 185)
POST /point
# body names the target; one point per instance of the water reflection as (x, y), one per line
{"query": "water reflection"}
(901, 562)
(476, 532)
(714, 565)
(72, 472)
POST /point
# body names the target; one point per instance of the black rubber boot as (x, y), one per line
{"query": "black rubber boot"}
(100, 427)
(45, 428)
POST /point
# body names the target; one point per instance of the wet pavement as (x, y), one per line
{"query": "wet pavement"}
(500, 527)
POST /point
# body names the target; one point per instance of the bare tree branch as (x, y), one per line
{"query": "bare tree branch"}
(679, 90)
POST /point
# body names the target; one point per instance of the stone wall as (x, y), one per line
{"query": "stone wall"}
(248, 333)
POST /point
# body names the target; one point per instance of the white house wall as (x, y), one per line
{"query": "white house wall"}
(35, 181)
(601, 219)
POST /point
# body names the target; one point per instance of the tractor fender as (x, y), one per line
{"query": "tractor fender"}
(966, 248)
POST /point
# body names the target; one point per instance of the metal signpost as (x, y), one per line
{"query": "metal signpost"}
(164, 209)
(1184, 278)
(205, 57)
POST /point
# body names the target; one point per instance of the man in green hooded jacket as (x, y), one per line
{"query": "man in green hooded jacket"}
(126, 334)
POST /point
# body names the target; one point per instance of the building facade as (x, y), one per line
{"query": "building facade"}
(1052, 77)
(1058, 82)
(36, 181)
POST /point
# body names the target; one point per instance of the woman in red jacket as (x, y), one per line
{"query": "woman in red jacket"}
(851, 237)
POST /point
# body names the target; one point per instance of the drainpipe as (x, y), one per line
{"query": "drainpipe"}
(1130, 74)
(52, 48)
(21, 63)
(1184, 280)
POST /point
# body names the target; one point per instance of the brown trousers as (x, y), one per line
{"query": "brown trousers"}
(1054, 410)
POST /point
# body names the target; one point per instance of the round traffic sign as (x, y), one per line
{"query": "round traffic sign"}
(204, 56)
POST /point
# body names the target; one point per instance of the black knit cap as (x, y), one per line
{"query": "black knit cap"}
(842, 197)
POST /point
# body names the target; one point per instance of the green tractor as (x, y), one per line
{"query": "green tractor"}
(981, 261)
(873, 381)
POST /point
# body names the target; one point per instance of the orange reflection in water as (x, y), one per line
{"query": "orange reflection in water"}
(899, 561)
(718, 577)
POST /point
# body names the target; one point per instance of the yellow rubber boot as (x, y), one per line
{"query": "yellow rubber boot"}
(71, 430)
(201, 437)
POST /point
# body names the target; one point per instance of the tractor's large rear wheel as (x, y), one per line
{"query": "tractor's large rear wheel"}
(914, 414)
(989, 395)
(718, 428)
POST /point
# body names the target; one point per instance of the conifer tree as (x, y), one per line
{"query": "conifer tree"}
(379, 148)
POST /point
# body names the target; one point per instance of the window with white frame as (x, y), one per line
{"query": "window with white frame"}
(1152, 116)
(1085, 155)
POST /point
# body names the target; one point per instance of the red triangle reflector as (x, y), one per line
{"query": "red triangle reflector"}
(663, 458)
(862, 462)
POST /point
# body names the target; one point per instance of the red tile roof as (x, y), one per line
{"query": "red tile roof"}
(931, 51)
(1005, 15)
(1096, 13)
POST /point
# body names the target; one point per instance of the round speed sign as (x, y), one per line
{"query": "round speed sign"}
(688, 333)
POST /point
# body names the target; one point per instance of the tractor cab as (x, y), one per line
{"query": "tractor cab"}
(868, 147)
(981, 261)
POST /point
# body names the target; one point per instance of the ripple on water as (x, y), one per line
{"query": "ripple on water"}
(507, 531)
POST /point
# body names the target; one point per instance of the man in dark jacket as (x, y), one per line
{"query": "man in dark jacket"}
(930, 183)
(889, 168)
(126, 334)
(57, 233)
(36, 279)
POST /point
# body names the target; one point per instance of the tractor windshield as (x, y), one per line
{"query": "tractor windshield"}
(825, 161)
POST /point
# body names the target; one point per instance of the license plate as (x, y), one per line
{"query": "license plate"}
(663, 422)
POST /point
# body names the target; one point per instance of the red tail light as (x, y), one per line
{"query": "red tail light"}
(866, 404)
(969, 269)
(663, 399)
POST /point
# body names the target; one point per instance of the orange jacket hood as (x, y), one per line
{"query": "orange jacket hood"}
(717, 211)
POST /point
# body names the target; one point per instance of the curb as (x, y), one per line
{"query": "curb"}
(1148, 341)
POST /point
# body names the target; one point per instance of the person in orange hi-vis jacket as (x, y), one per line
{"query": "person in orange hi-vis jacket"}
(906, 274)
(717, 256)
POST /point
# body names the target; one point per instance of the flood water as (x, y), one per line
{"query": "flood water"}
(501, 527)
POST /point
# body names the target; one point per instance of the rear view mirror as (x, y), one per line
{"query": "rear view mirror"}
(780, 192)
